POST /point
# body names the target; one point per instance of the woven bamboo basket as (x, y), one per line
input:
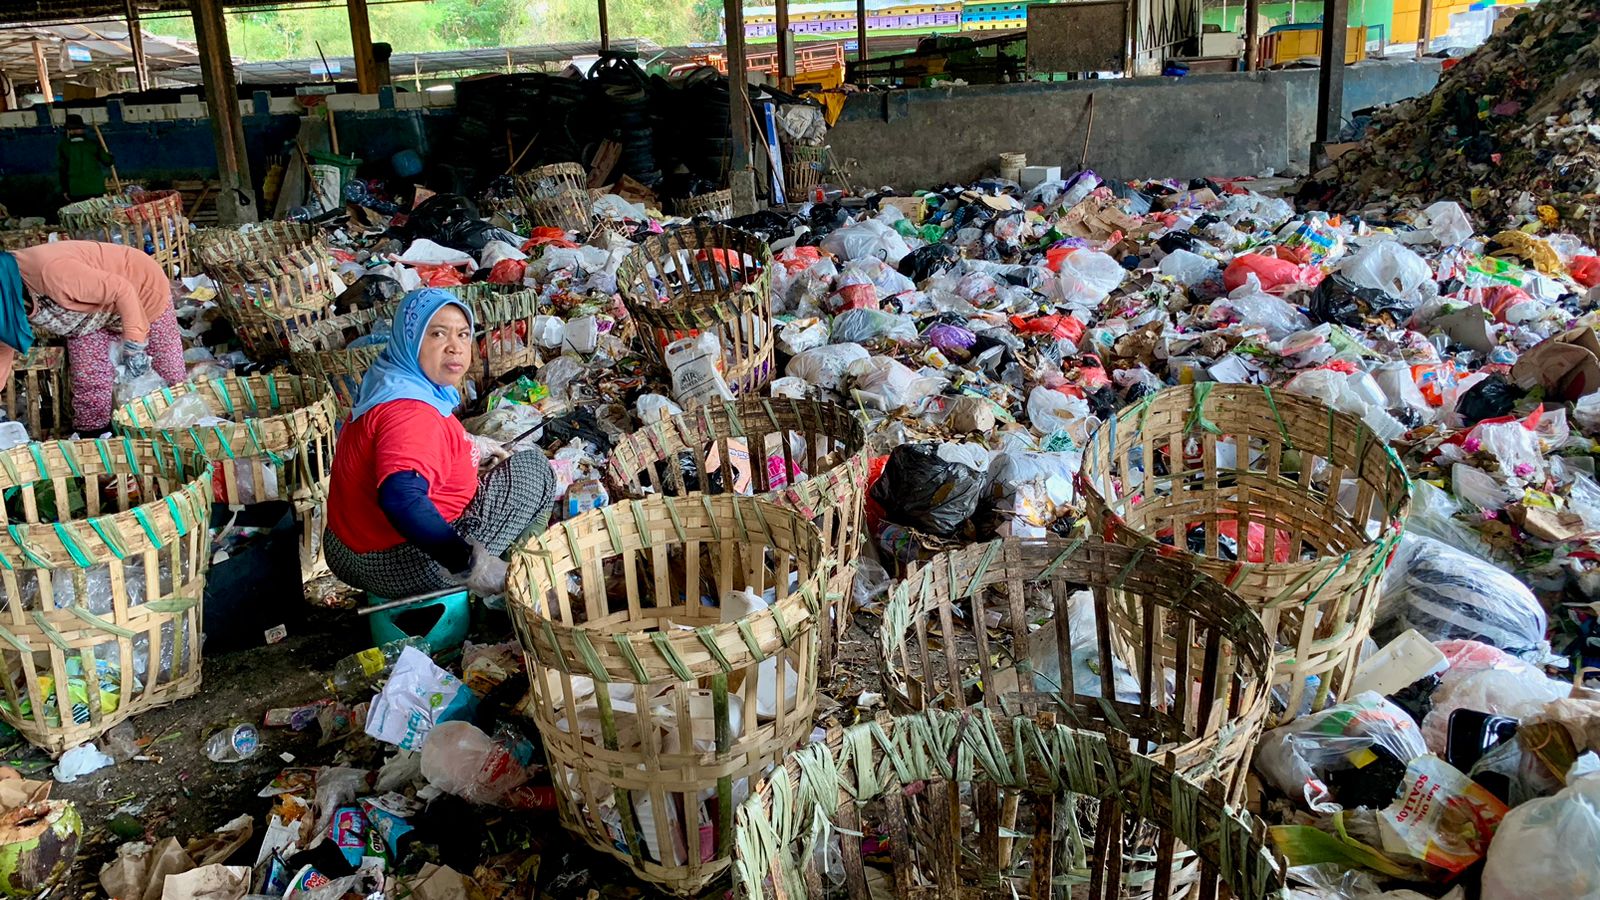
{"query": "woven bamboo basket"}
(620, 614)
(104, 556)
(20, 238)
(39, 393)
(803, 168)
(557, 196)
(928, 788)
(704, 278)
(276, 445)
(271, 282)
(716, 206)
(152, 221)
(1192, 664)
(823, 441)
(501, 346)
(1320, 500)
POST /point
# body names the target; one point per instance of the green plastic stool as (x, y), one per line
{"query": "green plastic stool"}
(441, 619)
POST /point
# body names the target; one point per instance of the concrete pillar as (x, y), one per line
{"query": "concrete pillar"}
(861, 30)
(43, 71)
(1252, 35)
(785, 47)
(361, 46)
(236, 203)
(141, 68)
(1330, 80)
(605, 26)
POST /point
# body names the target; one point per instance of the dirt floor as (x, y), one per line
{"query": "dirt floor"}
(181, 793)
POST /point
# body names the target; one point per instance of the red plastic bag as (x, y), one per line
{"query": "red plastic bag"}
(544, 235)
(1498, 299)
(440, 276)
(799, 259)
(508, 271)
(1586, 270)
(1276, 275)
(1054, 325)
(856, 296)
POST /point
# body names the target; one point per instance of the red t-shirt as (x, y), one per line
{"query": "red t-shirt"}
(398, 436)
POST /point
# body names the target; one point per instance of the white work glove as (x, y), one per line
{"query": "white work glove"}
(135, 358)
(486, 574)
(487, 450)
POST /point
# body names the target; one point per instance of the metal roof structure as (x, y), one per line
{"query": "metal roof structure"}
(39, 12)
(406, 65)
(80, 52)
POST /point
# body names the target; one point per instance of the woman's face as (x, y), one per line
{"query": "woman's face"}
(446, 347)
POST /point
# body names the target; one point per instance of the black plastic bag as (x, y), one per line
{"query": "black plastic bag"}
(1488, 399)
(1173, 241)
(368, 292)
(766, 224)
(1340, 301)
(920, 490)
(925, 262)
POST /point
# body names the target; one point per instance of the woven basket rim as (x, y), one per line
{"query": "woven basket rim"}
(222, 438)
(643, 301)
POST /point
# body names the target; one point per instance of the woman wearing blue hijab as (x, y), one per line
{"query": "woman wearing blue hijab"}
(408, 511)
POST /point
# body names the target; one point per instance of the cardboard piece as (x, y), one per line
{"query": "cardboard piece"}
(443, 883)
(1567, 365)
(1469, 327)
(968, 414)
(208, 883)
(140, 871)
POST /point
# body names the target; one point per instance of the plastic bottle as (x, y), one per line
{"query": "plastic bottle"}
(357, 671)
(235, 743)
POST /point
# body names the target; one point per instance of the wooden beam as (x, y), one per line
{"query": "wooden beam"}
(861, 30)
(741, 176)
(786, 68)
(361, 46)
(1330, 83)
(43, 71)
(236, 202)
(1252, 35)
(141, 67)
(1425, 28)
(605, 26)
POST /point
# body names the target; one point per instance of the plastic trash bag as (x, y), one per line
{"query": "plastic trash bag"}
(799, 335)
(1188, 268)
(1548, 847)
(1274, 276)
(924, 488)
(825, 366)
(925, 262)
(1486, 679)
(1089, 276)
(1051, 411)
(886, 384)
(860, 326)
(1249, 305)
(1446, 594)
(1448, 222)
(871, 238)
(1389, 267)
(1350, 755)
(1355, 393)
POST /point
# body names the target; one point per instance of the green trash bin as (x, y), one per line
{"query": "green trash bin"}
(330, 172)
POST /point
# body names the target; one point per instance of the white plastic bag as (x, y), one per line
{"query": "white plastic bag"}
(1448, 222)
(800, 335)
(1549, 847)
(417, 696)
(888, 384)
(1251, 306)
(1389, 267)
(693, 363)
(1355, 393)
(1187, 268)
(1485, 679)
(1446, 594)
(867, 239)
(1089, 276)
(825, 366)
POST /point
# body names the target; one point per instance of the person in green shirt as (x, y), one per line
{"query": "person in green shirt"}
(82, 163)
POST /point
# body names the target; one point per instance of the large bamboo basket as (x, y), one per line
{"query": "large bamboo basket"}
(1314, 580)
(716, 206)
(39, 393)
(557, 196)
(146, 220)
(658, 790)
(834, 460)
(271, 282)
(1194, 662)
(932, 786)
(503, 341)
(803, 168)
(704, 278)
(106, 586)
(276, 445)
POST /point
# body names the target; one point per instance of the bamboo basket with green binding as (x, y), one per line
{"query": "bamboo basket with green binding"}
(39, 394)
(271, 282)
(933, 783)
(715, 206)
(803, 168)
(1191, 663)
(152, 221)
(557, 197)
(699, 278)
(1319, 498)
(103, 564)
(276, 443)
(323, 350)
(660, 687)
(677, 456)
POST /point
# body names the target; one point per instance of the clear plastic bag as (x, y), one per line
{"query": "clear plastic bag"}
(871, 238)
(1249, 305)
(886, 384)
(1486, 679)
(825, 366)
(1446, 594)
(1548, 847)
(1188, 268)
(1389, 267)
(1088, 277)
(1304, 756)
(858, 326)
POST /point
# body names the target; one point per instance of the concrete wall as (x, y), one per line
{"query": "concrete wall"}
(1202, 125)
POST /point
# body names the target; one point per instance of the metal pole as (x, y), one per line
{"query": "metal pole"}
(1330, 85)
(43, 71)
(141, 68)
(605, 27)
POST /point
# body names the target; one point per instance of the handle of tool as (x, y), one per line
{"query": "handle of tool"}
(115, 181)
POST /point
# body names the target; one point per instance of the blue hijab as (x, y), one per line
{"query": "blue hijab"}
(16, 331)
(397, 375)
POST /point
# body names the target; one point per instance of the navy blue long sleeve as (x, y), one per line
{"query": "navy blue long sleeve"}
(404, 499)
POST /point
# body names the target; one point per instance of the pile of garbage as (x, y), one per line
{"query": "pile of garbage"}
(1510, 131)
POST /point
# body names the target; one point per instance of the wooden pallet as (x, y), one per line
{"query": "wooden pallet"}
(199, 200)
